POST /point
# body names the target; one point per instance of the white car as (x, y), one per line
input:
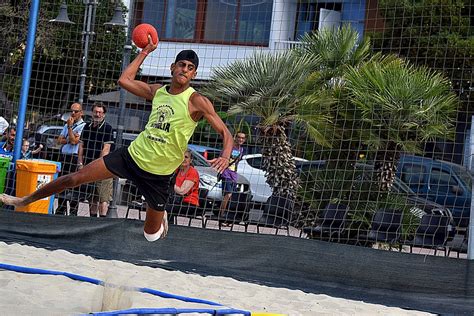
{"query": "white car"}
(251, 168)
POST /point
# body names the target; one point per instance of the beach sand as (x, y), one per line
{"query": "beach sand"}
(33, 294)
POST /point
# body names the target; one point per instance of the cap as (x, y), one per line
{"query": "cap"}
(188, 55)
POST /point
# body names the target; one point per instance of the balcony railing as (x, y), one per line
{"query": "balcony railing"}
(286, 45)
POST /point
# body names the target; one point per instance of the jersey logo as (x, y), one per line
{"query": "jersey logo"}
(164, 113)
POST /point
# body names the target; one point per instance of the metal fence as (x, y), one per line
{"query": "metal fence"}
(357, 115)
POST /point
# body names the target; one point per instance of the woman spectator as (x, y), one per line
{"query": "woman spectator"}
(187, 181)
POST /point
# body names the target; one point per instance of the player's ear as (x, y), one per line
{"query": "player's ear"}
(194, 75)
(172, 67)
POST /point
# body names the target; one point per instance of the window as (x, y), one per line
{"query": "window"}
(255, 162)
(244, 22)
(441, 181)
(413, 175)
(308, 15)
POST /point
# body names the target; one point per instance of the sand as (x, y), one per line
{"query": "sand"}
(34, 294)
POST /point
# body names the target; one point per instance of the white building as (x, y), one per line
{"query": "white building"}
(221, 31)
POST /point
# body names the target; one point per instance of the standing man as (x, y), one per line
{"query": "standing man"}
(6, 147)
(230, 176)
(69, 139)
(151, 159)
(96, 139)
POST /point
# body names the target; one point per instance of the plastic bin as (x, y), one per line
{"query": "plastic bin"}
(58, 171)
(30, 176)
(4, 166)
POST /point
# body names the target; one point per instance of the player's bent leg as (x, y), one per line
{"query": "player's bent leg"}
(156, 224)
(94, 171)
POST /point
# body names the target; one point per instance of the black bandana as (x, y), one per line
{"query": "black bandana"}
(188, 55)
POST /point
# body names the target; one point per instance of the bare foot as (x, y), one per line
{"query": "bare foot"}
(12, 200)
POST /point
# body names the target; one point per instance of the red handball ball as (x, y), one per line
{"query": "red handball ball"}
(140, 35)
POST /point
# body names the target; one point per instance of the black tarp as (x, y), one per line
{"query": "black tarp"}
(412, 281)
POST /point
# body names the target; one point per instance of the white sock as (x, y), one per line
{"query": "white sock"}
(155, 236)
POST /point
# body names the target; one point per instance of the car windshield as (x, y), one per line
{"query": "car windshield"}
(198, 159)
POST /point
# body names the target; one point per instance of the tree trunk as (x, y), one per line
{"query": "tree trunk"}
(385, 166)
(279, 164)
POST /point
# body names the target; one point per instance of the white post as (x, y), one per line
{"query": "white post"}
(470, 244)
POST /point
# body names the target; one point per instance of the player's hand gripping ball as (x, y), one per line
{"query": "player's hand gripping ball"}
(140, 35)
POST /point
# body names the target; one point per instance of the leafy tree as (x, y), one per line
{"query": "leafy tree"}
(58, 54)
(437, 34)
(401, 107)
(383, 105)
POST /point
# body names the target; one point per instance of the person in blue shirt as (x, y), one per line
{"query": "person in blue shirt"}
(70, 139)
(6, 147)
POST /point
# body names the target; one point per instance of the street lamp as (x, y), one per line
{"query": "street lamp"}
(88, 32)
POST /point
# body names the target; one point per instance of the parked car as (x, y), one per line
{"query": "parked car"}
(47, 136)
(251, 167)
(442, 182)
(205, 151)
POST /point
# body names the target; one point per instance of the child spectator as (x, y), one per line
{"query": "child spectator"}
(26, 153)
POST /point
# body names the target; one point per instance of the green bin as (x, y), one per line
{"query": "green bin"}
(4, 165)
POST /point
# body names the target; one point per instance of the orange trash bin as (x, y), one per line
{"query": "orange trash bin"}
(30, 176)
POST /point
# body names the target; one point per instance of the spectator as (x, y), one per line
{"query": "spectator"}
(229, 176)
(187, 181)
(26, 153)
(6, 147)
(3, 125)
(69, 139)
(6, 150)
(96, 140)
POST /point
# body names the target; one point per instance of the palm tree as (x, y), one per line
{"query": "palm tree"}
(265, 85)
(401, 107)
(335, 50)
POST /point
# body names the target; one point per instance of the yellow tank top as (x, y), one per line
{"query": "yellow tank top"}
(159, 149)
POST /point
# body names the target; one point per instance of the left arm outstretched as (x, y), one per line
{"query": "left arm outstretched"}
(203, 105)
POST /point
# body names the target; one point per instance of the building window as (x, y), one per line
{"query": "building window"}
(308, 15)
(237, 22)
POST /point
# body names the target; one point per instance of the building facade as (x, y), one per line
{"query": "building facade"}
(222, 31)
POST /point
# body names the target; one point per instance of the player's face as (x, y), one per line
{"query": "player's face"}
(183, 71)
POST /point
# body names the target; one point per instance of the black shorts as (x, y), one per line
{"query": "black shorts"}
(155, 188)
